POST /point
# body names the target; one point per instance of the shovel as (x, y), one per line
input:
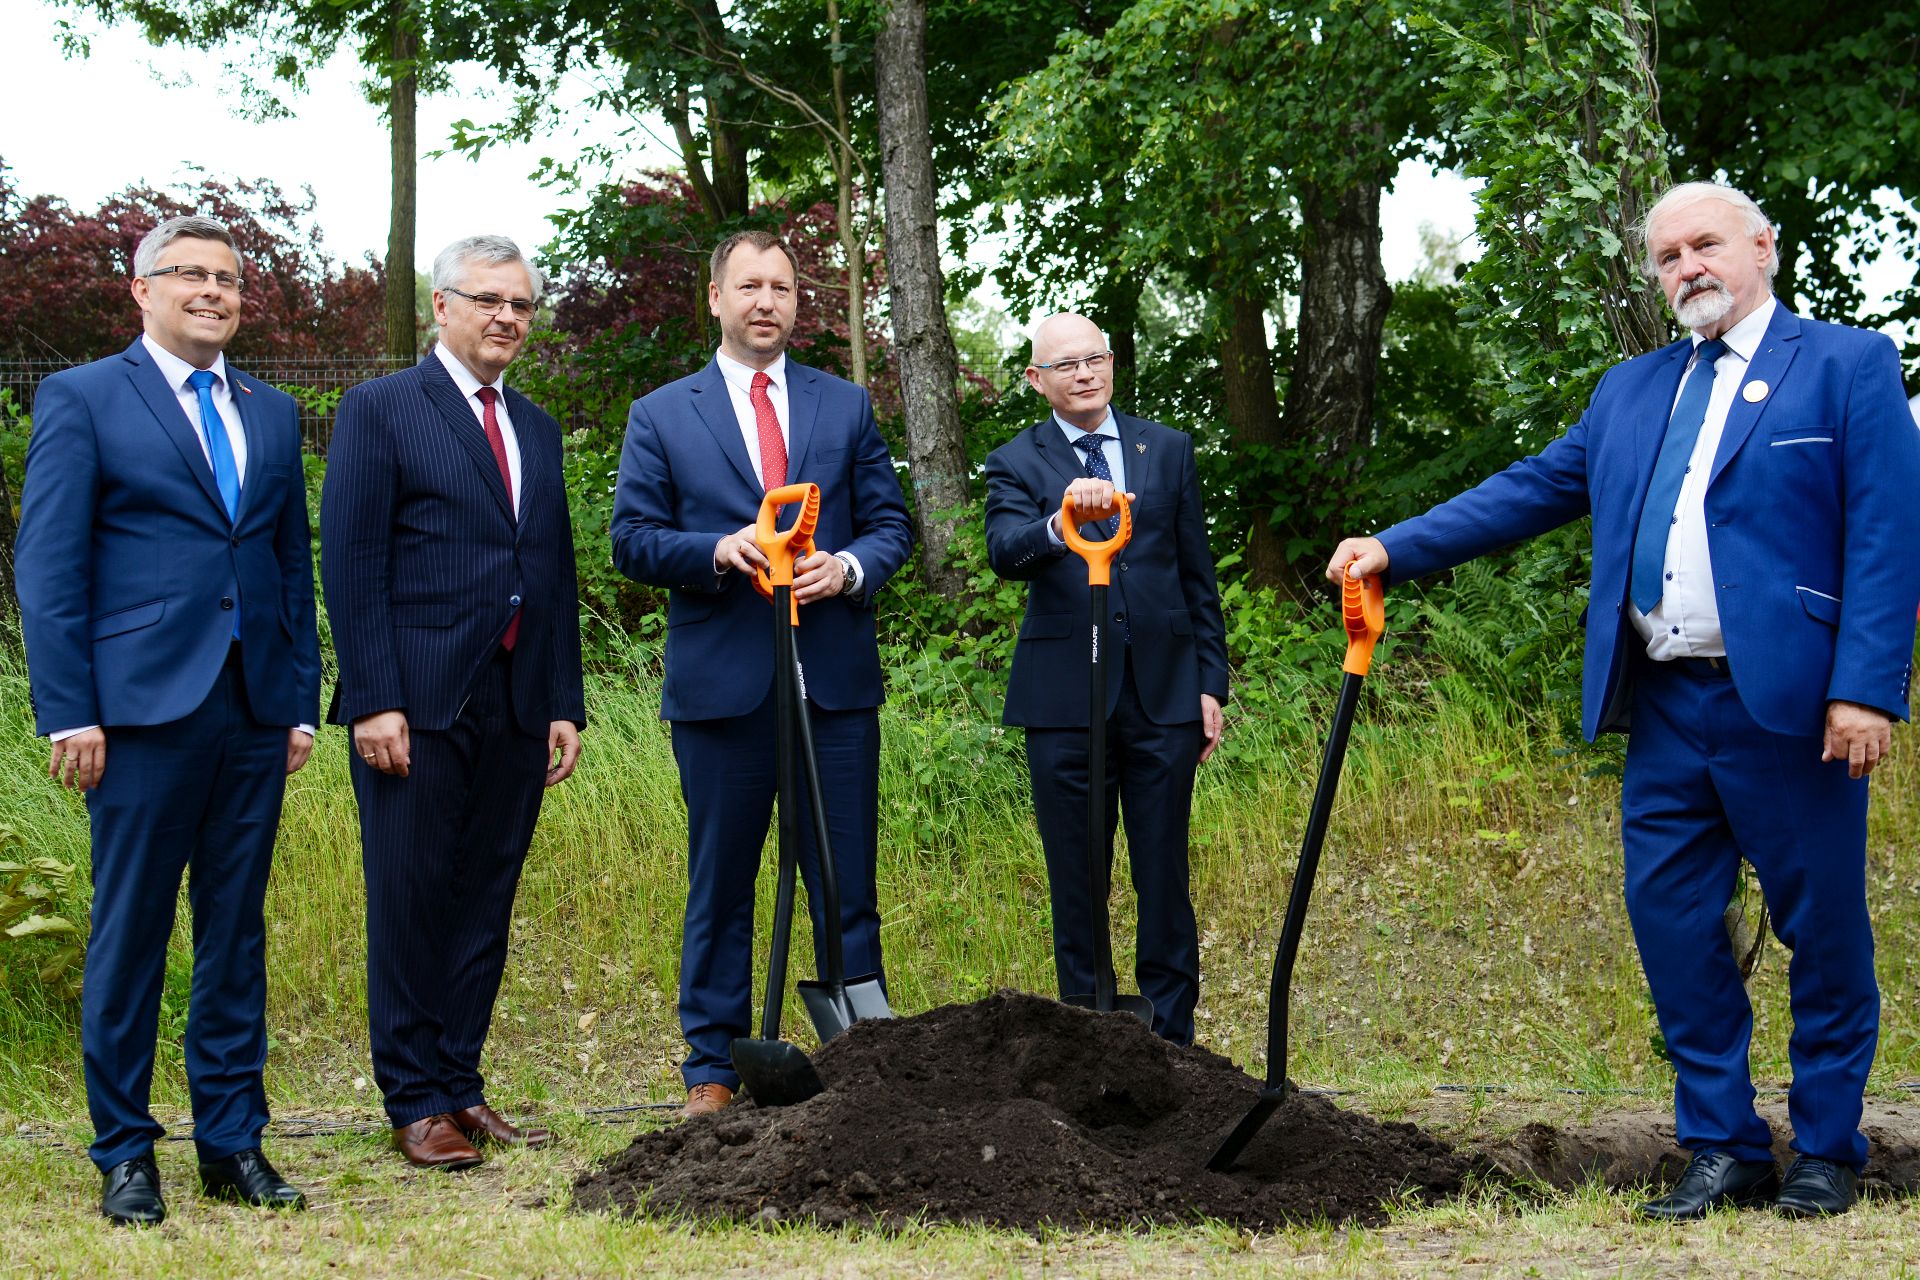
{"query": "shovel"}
(1099, 557)
(1363, 609)
(776, 1073)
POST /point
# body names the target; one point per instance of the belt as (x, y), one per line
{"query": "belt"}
(1705, 668)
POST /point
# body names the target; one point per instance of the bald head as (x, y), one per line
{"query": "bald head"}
(1072, 368)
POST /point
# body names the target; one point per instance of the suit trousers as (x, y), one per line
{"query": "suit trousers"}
(1150, 770)
(728, 780)
(1706, 787)
(199, 795)
(442, 848)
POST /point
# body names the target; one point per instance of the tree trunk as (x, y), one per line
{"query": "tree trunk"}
(929, 368)
(1116, 303)
(852, 243)
(1253, 420)
(1344, 298)
(403, 325)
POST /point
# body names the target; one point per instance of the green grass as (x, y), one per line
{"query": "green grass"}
(1467, 928)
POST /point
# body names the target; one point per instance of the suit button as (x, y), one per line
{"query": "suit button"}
(1123, 566)
(1119, 617)
(226, 602)
(514, 601)
(235, 539)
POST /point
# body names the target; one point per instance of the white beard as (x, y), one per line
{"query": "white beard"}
(1708, 304)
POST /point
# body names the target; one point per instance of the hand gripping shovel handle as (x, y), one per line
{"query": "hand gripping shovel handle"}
(1363, 611)
(782, 547)
(1098, 555)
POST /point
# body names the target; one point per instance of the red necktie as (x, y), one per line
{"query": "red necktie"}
(498, 443)
(773, 446)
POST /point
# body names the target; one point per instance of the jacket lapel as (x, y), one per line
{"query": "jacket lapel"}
(250, 427)
(1053, 446)
(715, 405)
(153, 389)
(1133, 444)
(529, 421)
(446, 398)
(803, 409)
(1769, 365)
(1664, 385)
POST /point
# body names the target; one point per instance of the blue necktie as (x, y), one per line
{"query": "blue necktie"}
(226, 476)
(1098, 469)
(1657, 517)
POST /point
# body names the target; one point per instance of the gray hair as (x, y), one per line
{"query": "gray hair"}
(449, 268)
(1688, 193)
(146, 255)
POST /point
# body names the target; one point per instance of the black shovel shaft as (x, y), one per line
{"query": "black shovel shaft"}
(784, 782)
(1323, 795)
(836, 971)
(1097, 886)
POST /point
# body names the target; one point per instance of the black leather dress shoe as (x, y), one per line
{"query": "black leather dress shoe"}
(130, 1193)
(1714, 1178)
(246, 1176)
(1814, 1188)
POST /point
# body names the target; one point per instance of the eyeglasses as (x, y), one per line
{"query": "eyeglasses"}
(491, 304)
(1093, 363)
(197, 276)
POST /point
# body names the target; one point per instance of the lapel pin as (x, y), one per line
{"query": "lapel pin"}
(1754, 392)
(1141, 447)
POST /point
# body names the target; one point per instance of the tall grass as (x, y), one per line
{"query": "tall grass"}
(1467, 925)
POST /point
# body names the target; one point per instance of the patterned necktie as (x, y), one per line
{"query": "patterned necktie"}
(226, 475)
(1096, 460)
(1658, 517)
(773, 446)
(498, 443)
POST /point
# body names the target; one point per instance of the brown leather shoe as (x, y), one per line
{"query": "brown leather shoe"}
(435, 1143)
(705, 1099)
(482, 1121)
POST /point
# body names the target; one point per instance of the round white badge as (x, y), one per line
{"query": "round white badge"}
(1754, 392)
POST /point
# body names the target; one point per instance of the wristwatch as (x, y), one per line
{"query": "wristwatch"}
(846, 562)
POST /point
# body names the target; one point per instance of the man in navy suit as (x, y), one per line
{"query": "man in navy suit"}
(1166, 685)
(1751, 623)
(700, 454)
(166, 594)
(447, 559)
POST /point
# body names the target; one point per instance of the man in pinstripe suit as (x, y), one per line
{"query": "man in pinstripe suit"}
(447, 560)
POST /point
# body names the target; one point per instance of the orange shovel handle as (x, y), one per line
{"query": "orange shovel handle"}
(1363, 607)
(782, 547)
(1098, 555)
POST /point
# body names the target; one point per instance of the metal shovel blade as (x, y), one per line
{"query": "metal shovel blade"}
(1229, 1150)
(776, 1073)
(833, 1009)
(1139, 1006)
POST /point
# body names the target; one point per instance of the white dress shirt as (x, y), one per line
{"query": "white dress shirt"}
(470, 388)
(1110, 447)
(1686, 622)
(739, 380)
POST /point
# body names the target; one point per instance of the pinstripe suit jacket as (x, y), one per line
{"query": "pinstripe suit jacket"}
(423, 563)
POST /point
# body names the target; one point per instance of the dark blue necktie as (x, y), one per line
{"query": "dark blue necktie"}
(1657, 517)
(226, 475)
(1097, 467)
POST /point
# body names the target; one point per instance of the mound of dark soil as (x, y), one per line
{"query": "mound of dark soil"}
(1018, 1111)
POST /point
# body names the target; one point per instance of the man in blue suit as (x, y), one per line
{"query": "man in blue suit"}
(166, 595)
(1751, 623)
(1167, 684)
(700, 454)
(447, 558)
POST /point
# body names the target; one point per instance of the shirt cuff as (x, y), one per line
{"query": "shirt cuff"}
(859, 574)
(306, 729)
(1053, 531)
(61, 735)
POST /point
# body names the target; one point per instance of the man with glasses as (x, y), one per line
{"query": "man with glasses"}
(447, 558)
(166, 597)
(1167, 682)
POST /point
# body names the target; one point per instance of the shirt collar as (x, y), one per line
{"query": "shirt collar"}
(1108, 428)
(175, 370)
(463, 377)
(1744, 338)
(741, 375)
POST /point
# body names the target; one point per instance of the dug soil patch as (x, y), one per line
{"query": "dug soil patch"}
(1019, 1111)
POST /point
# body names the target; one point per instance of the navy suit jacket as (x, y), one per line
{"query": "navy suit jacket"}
(686, 481)
(424, 564)
(1813, 510)
(1163, 581)
(129, 568)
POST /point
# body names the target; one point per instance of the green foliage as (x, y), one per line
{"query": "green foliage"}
(38, 906)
